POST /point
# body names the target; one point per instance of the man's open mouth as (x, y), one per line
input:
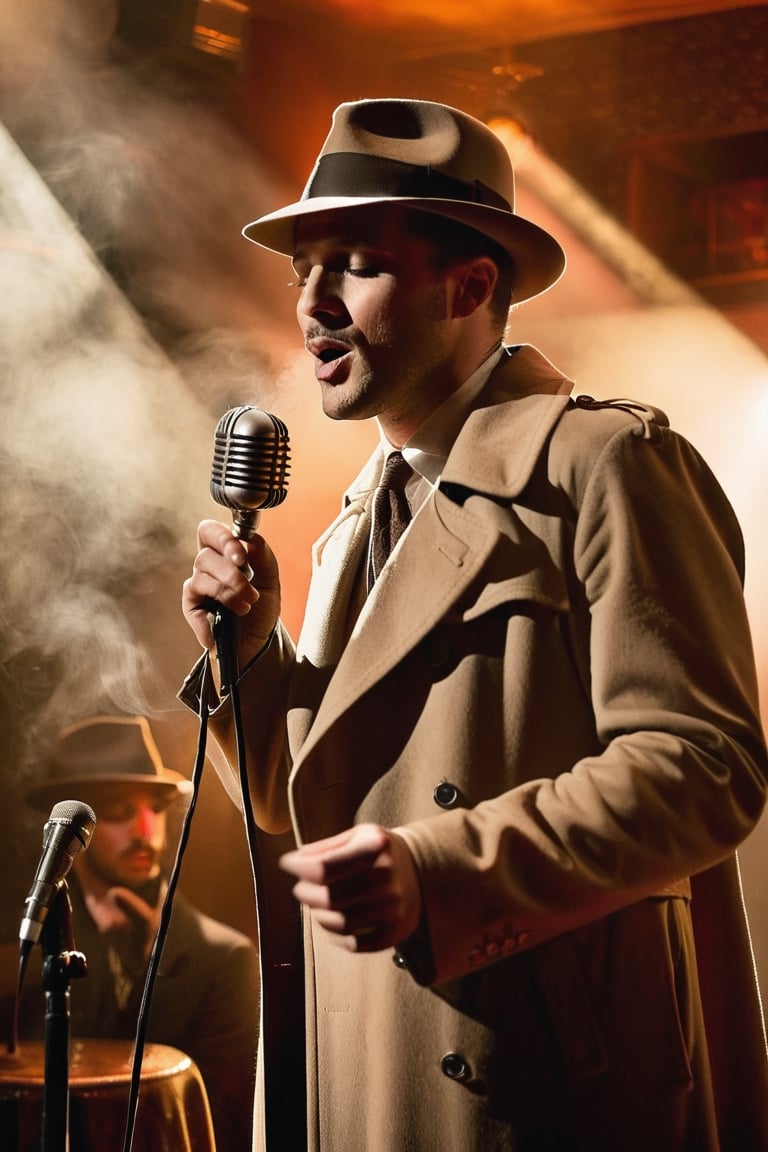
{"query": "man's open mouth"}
(326, 349)
(329, 354)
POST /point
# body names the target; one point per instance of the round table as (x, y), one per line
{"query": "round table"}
(172, 1114)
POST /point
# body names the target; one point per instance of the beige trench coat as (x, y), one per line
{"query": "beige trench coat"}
(551, 693)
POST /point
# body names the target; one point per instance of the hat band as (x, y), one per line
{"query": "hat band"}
(355, 174)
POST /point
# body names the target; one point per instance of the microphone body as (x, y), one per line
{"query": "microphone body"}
(67, 831)
(250, 465)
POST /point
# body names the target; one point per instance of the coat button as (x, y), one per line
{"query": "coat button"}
(446, 795)
(455, 1067)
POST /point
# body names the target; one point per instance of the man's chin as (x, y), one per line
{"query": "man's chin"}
(345, 404)
(135, 876)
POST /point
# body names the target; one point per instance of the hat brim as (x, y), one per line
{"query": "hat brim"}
(83, 787)
(539, 259)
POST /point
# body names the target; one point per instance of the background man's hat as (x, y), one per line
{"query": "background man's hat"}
(426, 156)
(95, 754)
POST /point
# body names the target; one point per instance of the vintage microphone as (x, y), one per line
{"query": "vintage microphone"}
(67, 832)
(48, 920)
(251, 461)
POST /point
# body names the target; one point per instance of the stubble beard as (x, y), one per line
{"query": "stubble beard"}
(349, 401)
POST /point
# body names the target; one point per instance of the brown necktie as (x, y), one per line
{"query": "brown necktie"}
(391, 513)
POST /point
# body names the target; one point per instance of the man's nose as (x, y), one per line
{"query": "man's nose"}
(320, 294)
(145, 822)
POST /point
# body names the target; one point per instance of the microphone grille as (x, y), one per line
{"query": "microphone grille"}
(79, 817)
(72, 812)
(251, 459)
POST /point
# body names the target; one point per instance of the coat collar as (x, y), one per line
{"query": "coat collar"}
(511, 437)
(502, 438)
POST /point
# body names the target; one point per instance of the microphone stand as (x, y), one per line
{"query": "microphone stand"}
(61, 963)
(280, 949)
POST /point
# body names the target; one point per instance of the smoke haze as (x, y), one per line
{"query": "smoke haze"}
(131, 315)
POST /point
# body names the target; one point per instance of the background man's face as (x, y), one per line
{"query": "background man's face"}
(129, 837)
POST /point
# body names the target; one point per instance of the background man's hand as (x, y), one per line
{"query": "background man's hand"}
(120, 909)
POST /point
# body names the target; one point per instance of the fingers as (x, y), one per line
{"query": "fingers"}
(233, 574)
(216, 579)
(331, 860)
(137, 912)
(221, 538)
(132, 905)
(218, 570)
(361, 886)
(118, 908)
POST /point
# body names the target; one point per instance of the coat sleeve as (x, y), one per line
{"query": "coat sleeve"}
(656, 570)
(261, 697)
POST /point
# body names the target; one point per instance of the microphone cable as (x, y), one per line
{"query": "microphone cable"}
(283, 1077)
(165, 919)
(278, 1133)
(13, 1039)
(226, 626)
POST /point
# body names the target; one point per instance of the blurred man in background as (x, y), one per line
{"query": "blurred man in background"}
(206, 994)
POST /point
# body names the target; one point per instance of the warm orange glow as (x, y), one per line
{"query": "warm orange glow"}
(514, 138)
(526, 20)
(220, 27)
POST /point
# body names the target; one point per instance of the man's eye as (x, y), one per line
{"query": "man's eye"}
(343, 268)
(116, 815)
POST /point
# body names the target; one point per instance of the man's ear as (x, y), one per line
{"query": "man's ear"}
(475, 282)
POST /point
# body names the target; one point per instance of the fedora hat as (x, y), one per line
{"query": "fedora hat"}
(427, 156)
(94, 755)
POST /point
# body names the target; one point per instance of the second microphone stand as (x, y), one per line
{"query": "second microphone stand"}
(61, 964)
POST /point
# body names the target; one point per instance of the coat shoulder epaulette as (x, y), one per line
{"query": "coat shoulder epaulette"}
(650, 420)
